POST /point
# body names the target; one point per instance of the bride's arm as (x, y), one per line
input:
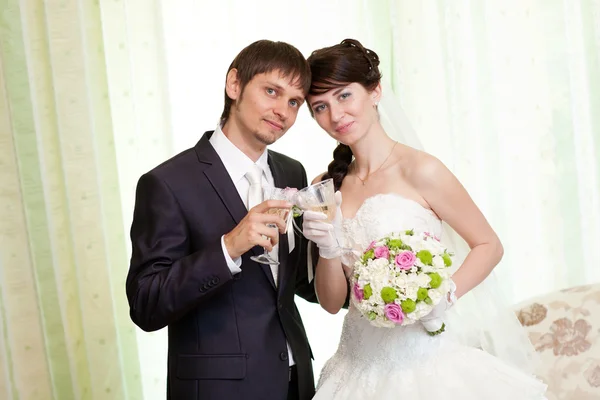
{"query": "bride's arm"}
(450, 201)
(331, 284)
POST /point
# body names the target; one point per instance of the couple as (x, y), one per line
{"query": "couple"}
(234, 329)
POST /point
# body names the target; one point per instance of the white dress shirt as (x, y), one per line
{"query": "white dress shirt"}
(237, 164)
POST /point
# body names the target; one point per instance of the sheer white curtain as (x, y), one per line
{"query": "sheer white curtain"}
(507, 94)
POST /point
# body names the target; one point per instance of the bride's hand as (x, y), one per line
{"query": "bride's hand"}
(324, 234)
(432, 321)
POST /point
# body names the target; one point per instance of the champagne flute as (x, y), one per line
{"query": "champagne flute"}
(319, 197)
(273, 193)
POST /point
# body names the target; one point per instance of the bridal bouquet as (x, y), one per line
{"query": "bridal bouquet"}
(400, 278)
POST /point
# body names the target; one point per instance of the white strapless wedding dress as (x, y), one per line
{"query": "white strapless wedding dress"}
(405, 363)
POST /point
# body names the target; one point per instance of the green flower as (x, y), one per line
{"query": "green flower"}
(388, 295)
(436, 280)
(422, 294)
(369, 255)
(410, 232)
(428, 301)
(425, 257)
(447, 259)
(297, 211)
(408, 306)
(367, 291)
(372, 315)
(395, 244)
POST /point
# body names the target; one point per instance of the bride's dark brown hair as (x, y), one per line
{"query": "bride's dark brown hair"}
(337, 66)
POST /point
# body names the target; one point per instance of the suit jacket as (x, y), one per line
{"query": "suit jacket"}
(227, 334)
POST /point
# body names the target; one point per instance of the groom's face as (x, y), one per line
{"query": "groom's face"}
(267, 107)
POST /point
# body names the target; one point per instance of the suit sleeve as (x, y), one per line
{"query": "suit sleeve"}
(165, 281)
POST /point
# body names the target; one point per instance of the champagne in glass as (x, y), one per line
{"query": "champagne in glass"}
(320, 197)
(273, 193)
(327, 209)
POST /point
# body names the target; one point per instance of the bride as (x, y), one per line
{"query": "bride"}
(389, 186)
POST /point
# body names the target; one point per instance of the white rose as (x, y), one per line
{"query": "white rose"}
(411, 291)
(400, 281)
(438, 262)
(435, 295)
(428, 268)
(422, 310)
(423, 280)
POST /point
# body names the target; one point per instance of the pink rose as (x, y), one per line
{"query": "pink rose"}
(393, 312)
(405, 260)
(371, 246)
(358, 292)
(382, 252)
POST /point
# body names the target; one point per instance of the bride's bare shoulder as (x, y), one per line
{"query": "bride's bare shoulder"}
(421, 167)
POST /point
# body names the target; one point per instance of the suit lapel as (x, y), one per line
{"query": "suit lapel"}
(278, 172)
(221, 182)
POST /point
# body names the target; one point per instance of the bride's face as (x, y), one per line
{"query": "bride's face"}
(346, 113)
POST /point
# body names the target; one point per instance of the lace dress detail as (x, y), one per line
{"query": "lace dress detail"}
(405, 362)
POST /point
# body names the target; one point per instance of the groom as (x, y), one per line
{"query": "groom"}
(234, 329)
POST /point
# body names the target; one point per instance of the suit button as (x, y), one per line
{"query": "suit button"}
(280, 306)
(215, 281)
(283, 356)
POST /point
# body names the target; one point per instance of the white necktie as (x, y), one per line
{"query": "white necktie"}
(255, 196)
(255, 192)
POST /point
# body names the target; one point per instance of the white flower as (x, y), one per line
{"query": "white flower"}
(411, 291)
(423, 280)
(399, 281)
(438, 262)
(435, 295)
(427, 268)
(421, 310)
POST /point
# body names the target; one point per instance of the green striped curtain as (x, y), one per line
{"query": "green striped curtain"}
(64, 326)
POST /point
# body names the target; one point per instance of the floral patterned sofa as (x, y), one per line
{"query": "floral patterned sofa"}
(564, 327)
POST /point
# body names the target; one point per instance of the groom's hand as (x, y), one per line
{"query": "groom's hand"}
(253, 230)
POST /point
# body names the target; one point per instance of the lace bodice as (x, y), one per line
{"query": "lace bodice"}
(382, 214)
